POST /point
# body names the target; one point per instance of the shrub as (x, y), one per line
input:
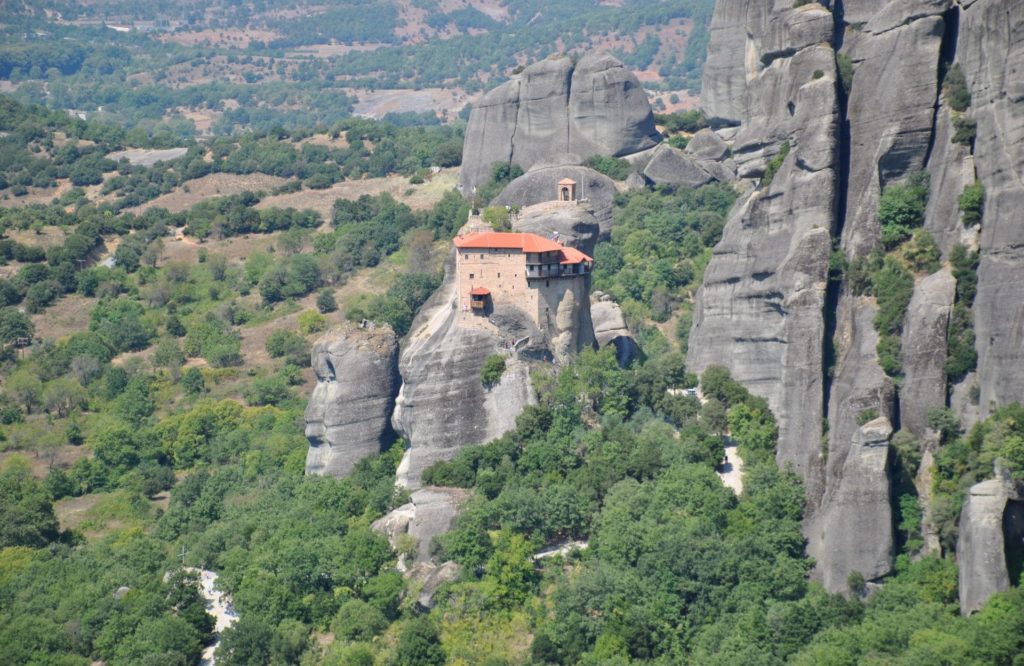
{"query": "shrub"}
(972, 204)
(494, 368)
(267, 391)
(192, 381)
(964, 130)
(893, 287)
(921, 253)
(325, 301)
(615, 168)
(954, 88)
(311, 321)
(844, 66)
(774, 164)
(901, 209)
(289, 345)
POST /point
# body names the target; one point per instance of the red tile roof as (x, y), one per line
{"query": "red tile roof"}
(500, 240)
(571, 255)
(479, 291)
(524, 242)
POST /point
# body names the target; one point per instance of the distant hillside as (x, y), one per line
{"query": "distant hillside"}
(212, 68)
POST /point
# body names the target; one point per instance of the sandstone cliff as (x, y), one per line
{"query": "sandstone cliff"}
(765, 310)
(349, 412)
(991, 523)
(556, 106)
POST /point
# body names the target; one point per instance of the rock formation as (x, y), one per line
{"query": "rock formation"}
(924, 351)
(539, 186)
(991, 534)
(991, 52)
(349, 412)
(760, 309)
(556, 106)
(853, 531)
(442, 405)
(764, 309)
(610, 329)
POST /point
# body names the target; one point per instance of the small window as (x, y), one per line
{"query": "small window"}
(471, 276)
(499, 274)
(481, 255)
(547, 283)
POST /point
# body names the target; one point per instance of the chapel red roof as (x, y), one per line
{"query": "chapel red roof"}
(479, 291)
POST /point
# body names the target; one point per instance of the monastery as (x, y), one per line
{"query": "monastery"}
(522, 270)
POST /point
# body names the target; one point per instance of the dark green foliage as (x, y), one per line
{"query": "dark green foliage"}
(658, 249)
(614, 167)
(369, 228)
(774, 164)
(965, 130)
(325, 301)
(419, 644)
(686, 121)
(893, 287)
(901, 209)
(972, 204)
(120, 324)
(212, 339)
(844, 66)
(399, 304)
(358, 621)
(14, 324)
(192, 381)
(26, 510)
(502, 174)
(954, 89)
(962, 356)
(493, 369)
(288, 345)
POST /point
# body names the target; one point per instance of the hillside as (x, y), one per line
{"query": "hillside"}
(557, 377)
(179, 69)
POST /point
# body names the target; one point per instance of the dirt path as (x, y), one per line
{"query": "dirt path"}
(218, 604)
(731, 471)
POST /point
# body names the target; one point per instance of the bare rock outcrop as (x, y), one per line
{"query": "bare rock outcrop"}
(760, 309)
(442, 405)
(991, 53)
(348, 415)
(854, 530)
(574, 223)
(592, 107)
(610, 329)
(430, 512)
(897, 51)
(923, 350)
(991, 532)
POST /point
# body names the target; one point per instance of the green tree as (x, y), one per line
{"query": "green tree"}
(419, 644)
(493, 369)
(26, 511)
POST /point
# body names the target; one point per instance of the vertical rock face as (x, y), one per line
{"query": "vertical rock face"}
(610, 329)
(991, 53)
(443, 406)
(891, 107)
(347, 418)
(556, 107)
(924, 350)
(991, 524)
(854, 530)
(760, 309)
